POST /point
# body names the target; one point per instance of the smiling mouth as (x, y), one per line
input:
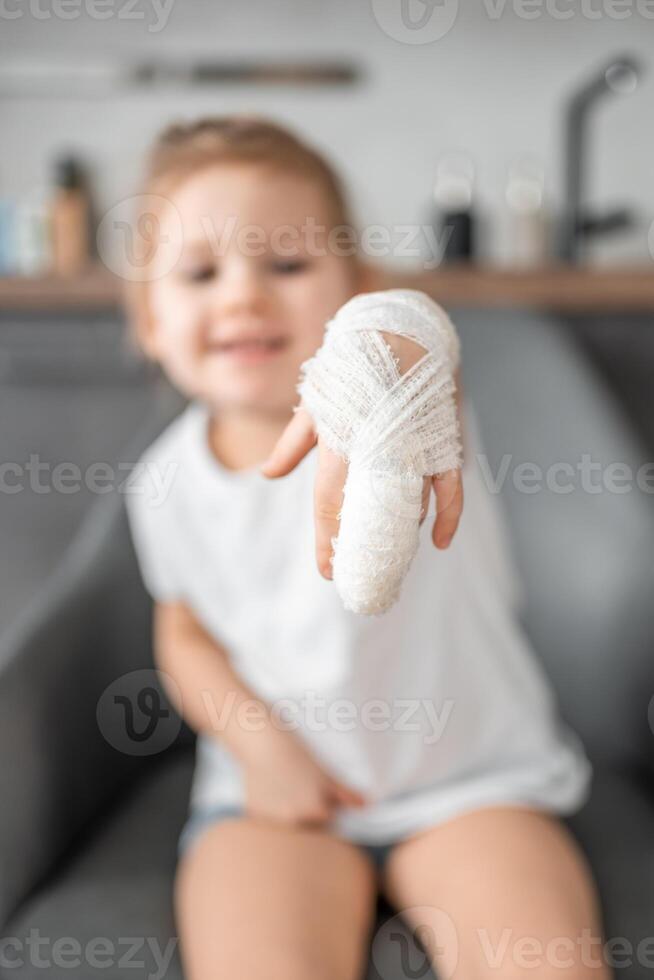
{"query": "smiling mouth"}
(271, 343)
(252, 348)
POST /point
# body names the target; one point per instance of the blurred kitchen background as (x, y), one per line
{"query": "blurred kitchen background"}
(524, 131)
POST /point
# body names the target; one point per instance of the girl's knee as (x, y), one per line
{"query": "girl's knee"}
(305, 964)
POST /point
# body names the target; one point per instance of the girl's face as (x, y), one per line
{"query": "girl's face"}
(247, 297)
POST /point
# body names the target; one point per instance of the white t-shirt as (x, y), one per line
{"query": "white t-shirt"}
(435, 707)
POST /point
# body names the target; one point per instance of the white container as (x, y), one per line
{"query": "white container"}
(7, 242)
(524, 239)
(32, 240)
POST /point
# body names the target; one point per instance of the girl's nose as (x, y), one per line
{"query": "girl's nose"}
(240, 290)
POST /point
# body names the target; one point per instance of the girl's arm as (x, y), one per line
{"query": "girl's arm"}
(282, 780)
(214, 699)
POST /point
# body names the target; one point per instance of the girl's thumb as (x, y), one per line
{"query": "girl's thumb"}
(346, 795)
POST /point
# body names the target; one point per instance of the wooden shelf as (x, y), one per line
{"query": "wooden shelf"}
(96, 290)
(561, 289)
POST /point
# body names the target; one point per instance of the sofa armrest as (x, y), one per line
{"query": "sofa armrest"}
(61, 755)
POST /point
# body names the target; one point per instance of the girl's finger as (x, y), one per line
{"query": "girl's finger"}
(317, 815)
(328, 500)
(449, 504)
(294, 443)
(346, 795)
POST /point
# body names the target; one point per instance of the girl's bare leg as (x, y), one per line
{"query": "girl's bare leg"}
(255, 899)
(502, 891)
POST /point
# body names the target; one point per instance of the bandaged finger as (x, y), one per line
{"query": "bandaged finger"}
(393, 429)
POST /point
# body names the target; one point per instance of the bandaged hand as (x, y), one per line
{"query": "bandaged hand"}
(378, 397)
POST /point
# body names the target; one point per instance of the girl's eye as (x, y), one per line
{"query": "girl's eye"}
(201, 273)
(289, 266)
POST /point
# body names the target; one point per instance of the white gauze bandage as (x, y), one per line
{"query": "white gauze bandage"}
(392, 428)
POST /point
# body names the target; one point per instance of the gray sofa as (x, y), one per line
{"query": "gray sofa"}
(88, 831)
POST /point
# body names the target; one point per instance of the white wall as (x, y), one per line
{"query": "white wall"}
(493, 85)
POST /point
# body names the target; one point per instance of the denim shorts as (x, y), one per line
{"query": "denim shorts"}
(200, 819)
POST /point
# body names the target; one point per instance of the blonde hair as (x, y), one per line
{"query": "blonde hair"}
(183, 149)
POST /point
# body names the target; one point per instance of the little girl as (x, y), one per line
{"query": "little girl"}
(419, 751)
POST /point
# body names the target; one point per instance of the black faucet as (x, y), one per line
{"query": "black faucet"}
(620, 75)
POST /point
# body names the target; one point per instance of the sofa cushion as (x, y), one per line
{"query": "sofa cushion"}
(113, 889)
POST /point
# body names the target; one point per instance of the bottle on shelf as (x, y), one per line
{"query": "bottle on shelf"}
(455, 217)
(70, 218)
